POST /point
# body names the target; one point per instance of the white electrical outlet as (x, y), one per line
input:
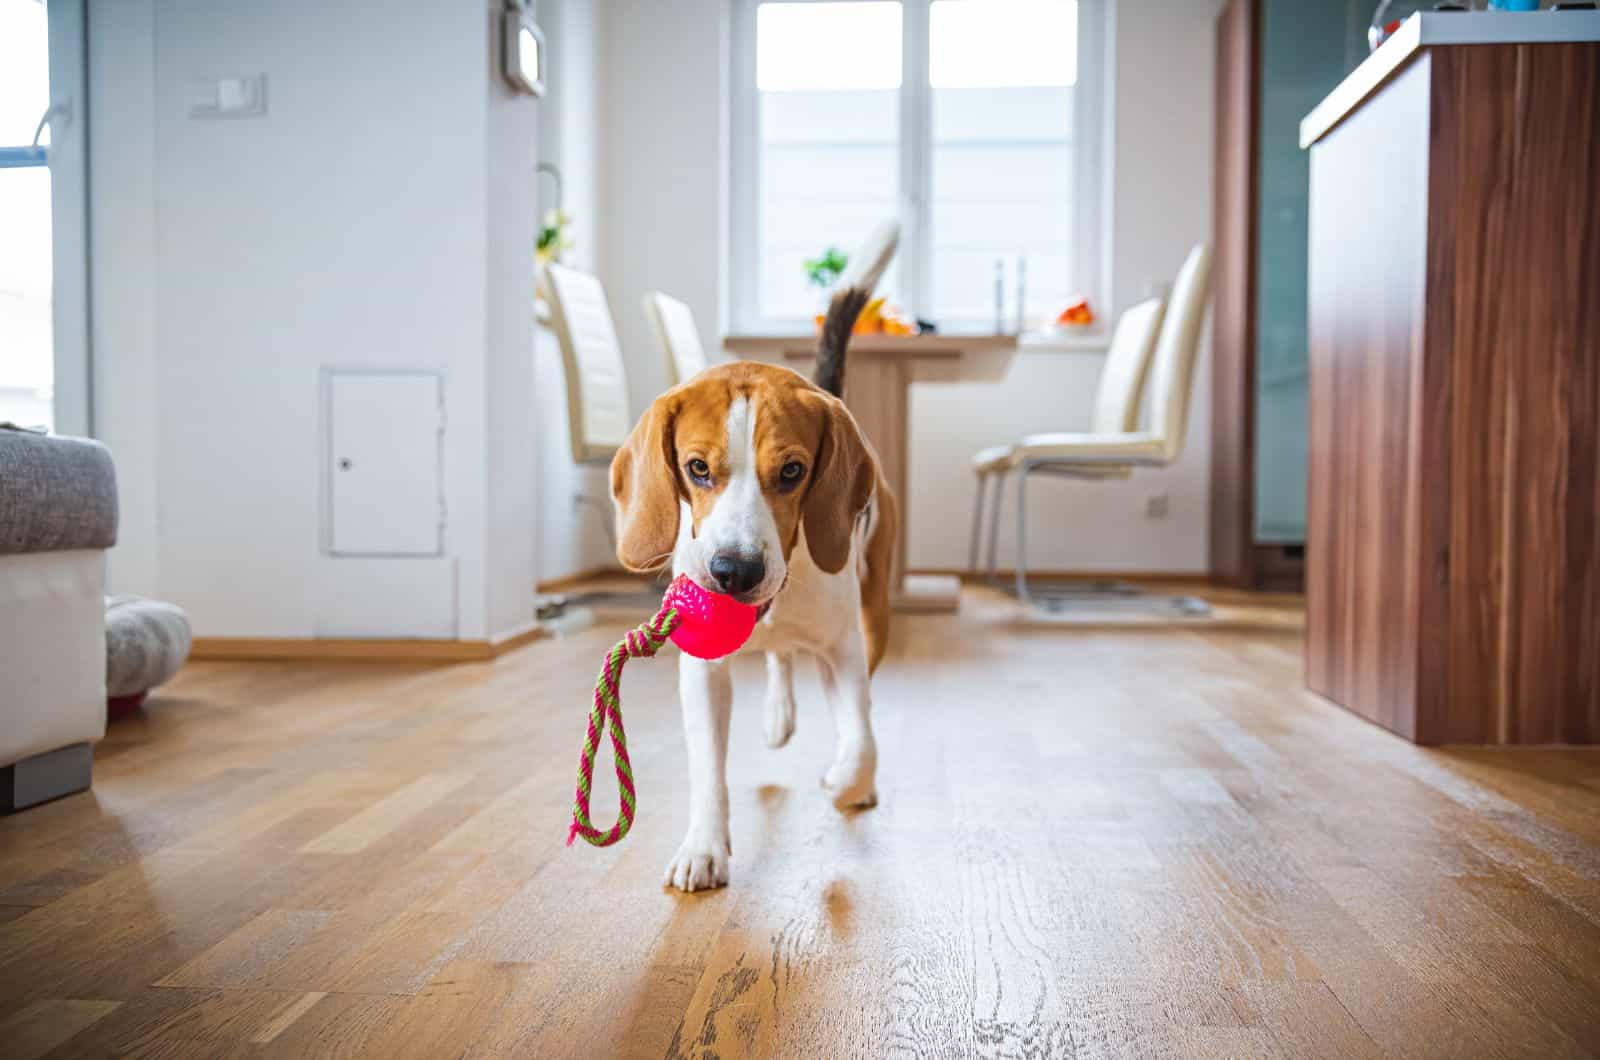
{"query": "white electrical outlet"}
(1155, 506)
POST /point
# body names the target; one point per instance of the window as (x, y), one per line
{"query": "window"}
(27, 368)
(976, 122)
(828, 82)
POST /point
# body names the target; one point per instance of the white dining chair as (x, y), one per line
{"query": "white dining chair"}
(1114, 447)
(673, 324)
(1115, 412)
(598, 416)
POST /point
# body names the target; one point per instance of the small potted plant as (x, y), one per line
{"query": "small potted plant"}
(555, 236)
(824, 270)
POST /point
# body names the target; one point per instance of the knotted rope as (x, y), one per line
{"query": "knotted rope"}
(641, 642)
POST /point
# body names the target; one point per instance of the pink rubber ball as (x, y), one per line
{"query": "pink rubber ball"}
(710, 625)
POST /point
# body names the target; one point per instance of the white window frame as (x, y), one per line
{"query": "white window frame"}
(69, 203)
(1091, 160)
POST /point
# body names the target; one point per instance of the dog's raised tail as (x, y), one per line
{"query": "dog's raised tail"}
(843, 308)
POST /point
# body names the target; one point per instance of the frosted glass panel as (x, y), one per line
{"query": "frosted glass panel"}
(1307, 46)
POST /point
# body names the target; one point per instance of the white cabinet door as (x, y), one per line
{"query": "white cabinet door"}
(385, 463)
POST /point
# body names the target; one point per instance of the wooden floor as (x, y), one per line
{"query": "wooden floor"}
(1094, 839)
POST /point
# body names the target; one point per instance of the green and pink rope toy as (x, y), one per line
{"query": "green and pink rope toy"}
(707, 625)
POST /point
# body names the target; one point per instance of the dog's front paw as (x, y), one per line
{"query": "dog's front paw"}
(850, 782)
(698, 865)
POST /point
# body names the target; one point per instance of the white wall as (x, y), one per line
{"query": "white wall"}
(636, 119)
(570, 129)
(571, 539)
(665, 121)
(666, 171)
(368, 220)
(510, 221)
(128, 399)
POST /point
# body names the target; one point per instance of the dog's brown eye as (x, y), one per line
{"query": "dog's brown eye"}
(791, 472)
(699, 470)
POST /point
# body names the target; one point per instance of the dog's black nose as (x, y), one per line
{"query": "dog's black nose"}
(737, 574)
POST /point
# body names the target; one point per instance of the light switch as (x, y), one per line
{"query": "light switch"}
(229, 97)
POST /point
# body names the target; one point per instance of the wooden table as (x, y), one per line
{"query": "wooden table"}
(1453, 558)
(878, 391)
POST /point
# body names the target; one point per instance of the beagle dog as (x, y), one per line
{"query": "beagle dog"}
(757, 483)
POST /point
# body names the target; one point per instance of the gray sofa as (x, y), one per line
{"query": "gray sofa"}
(58, 515)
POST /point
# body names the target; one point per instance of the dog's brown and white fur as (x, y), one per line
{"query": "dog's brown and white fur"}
(756, 482)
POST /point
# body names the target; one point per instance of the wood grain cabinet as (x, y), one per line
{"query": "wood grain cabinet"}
(1453, 552)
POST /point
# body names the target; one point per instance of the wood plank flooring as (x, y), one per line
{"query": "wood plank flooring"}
(1095, 839)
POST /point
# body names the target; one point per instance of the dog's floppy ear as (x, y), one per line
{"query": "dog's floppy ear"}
(644, 487)
(841, 487)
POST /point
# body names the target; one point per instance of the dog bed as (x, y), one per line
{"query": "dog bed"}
(147, 642)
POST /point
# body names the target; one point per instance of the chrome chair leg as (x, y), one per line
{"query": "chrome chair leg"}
(977, 523)
(994, 526)
(1022, 531)
(1101, 593)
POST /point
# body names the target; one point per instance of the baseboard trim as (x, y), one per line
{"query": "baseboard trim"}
(305, 649)
(568, 582)
(516, 637)
(1136, 576)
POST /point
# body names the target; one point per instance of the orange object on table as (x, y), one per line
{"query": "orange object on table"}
(879, 318)
(1076, 314)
